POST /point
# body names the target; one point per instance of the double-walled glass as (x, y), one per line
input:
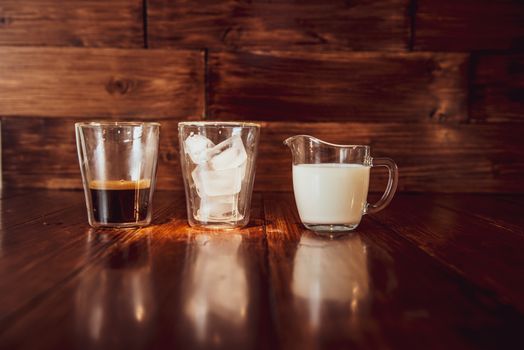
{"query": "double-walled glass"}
(118, 161)
(330, 183)
(218, 164)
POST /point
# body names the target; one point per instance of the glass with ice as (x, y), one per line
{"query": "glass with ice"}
(218, 165)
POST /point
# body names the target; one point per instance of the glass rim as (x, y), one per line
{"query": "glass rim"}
(219, 123)
(94, 124)
(315, 139)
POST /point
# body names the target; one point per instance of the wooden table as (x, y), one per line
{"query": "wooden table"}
(430, 271)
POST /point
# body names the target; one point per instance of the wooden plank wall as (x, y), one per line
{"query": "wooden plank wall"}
(436, 84)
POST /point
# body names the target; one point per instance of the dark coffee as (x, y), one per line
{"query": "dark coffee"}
(120, 201)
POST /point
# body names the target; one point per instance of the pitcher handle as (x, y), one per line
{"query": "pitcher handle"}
(390, 188)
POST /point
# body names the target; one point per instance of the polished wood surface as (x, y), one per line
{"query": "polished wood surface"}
(430, 271)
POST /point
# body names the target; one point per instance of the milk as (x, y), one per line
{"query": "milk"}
(330, 193)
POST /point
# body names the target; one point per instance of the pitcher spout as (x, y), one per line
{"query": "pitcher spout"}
(306, 149)
(294, 140)
(289, 141)
(303, 146)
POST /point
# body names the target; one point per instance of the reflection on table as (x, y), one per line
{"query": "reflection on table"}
(330, 277)
(216, 293)
(114, 302)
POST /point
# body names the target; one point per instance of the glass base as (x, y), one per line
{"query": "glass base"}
(332, 230)
(217, 225)
(119, 224)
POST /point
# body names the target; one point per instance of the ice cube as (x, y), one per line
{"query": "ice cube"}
(228, 154)
(224, 199)
(219, 208)
(217, 182)
(198, 147)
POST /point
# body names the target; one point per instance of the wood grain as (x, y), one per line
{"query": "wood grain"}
(492, 210)
(373, 289)
(40, 253)
(431, 157)
(434, 158)
(117, 23)
(462, 242)
(354, 25)
(498, 88)
(271, 285)
(71, 82)
(464, 25)
(29, 142)
(148, 287)
(517, 200)
(13, 192)
(44, 202)
(357, 86)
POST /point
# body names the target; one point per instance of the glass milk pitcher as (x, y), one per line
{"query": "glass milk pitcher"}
(331, 183)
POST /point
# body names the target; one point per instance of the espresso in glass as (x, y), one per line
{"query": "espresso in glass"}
(120, 201)
(118, 161)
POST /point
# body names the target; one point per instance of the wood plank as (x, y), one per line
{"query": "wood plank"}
(498, 88)
(434, 158)
(170, 286)
(514, 199)
(373, 290)
(464, 25)
(341, 25)
(29, 142)
(71, 82)
(431, 157)
(116, 23)
(39, 255)
(350, 86)
(492, 210)
(487, 255)
(164, 286)
(14, 211)
(13, 192)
